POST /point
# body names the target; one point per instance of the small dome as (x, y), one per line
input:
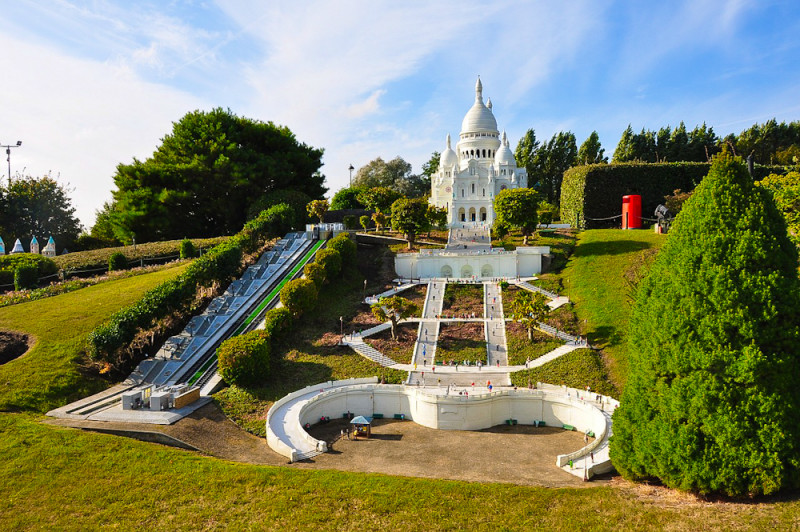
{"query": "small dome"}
(479, 117)
(448, 157)
(504, 155)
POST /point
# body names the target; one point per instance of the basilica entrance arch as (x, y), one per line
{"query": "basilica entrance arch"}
(466, 271)
(483, 214)
(472, 214)
(462, 216)
(486, 270)
(446, 271)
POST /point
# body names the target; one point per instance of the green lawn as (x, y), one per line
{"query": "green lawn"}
(48, 375)
(594, 281)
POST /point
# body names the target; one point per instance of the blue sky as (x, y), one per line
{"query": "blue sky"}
(89, 85)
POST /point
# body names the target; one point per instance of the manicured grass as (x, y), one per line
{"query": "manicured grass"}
(64, 479)
(48, 375)
(521, 349)
(594, 282)
(461, 341)
(577, 369)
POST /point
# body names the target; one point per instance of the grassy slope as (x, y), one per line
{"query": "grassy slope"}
(47, 376)
(594, 281)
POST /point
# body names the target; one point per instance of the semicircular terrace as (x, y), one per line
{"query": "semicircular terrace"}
(556, 406)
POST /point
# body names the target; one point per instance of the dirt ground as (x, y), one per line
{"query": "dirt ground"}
(395, 448)
(13, 345)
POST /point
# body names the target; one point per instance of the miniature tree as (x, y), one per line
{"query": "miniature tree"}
(364, 221)
(380, 221)
(394, 309)
(528, 309)
(410, 217)
(318, 208)
(711, 402)
(518, 208)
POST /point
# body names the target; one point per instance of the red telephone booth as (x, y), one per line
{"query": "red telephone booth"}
(632, 212)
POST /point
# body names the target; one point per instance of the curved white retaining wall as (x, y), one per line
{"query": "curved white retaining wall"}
(556, 406)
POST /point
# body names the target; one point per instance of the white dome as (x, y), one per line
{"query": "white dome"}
(504, 155)
(448, 157)
(479, 117)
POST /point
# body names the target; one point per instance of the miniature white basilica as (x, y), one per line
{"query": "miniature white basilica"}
(481, 166)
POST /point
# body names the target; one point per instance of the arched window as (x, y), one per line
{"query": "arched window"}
(462, 192)
(484, 191)
(472, 153)
(473, 188)
(484, 153)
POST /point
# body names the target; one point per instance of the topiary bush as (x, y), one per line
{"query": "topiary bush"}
(299, 296)
(187, 250)
(346, 247)
(117, 261)
(350, 221)
(26, 277)
(711, 402)
(277, 323)
(331, 260)
(244, 360)
(315, 272)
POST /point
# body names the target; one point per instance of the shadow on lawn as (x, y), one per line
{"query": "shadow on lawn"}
(605, 336)
(617, 247)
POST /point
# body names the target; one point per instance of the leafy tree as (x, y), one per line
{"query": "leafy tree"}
(518, 208)
(299, 296)
(318, 208)
(38, 207)
(394, 309)
(547, 213)
(785, 191)
(528, 309)
(380, 220)
(410, 217)
(437, 217)
(364, 221)
(590, 151)
(500, 229)
(432, 166)
(379, 173)
(347, 198)
(712, 403)
(244, 360)
(205, 175)
(278, 322)
(378, 198)
(295, 199)
(350, 221)
(525, 154)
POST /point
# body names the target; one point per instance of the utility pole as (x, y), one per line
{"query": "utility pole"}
(8, 156)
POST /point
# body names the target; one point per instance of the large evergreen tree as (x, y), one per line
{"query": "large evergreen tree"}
(712, 399)
(205, 175)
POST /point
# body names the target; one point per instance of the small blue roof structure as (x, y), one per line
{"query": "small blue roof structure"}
(18, 247)
(361, 420)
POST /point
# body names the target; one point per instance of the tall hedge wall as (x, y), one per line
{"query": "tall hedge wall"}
(593, 192)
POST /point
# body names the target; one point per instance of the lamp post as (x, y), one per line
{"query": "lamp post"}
(8, 156)
(351, 175)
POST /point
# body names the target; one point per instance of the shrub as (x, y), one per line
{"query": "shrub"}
(365, 222)
(315, 272)
(117, 261)
(245, 360)
(299, 296)
(281, 219)
(350, 221)
(711, 403)
(188, 251)
(26, 277)
(295, 199)
(45, 266)
(88, 242)
(346, 247)
(278, 322)
(331, 260)
(547, 213)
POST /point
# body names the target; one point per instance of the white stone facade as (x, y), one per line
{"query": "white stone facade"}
(447, 264)
(482, 165)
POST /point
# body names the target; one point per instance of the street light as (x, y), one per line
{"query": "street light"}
(351, 175)
(8, 156)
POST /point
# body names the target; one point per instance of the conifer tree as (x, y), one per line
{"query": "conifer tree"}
(711, 403)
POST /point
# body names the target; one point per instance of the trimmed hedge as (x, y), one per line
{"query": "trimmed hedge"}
(299, 296)
(278, 322)
(9, 264)
(346, 248)
(117, 261)
(315, 272)
(245, 359)
(26, 276)
(221, 264)
(187, 249)
(591, 193)
(331, 260)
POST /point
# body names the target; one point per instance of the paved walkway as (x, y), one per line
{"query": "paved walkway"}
(474, 238)
(428, 332)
